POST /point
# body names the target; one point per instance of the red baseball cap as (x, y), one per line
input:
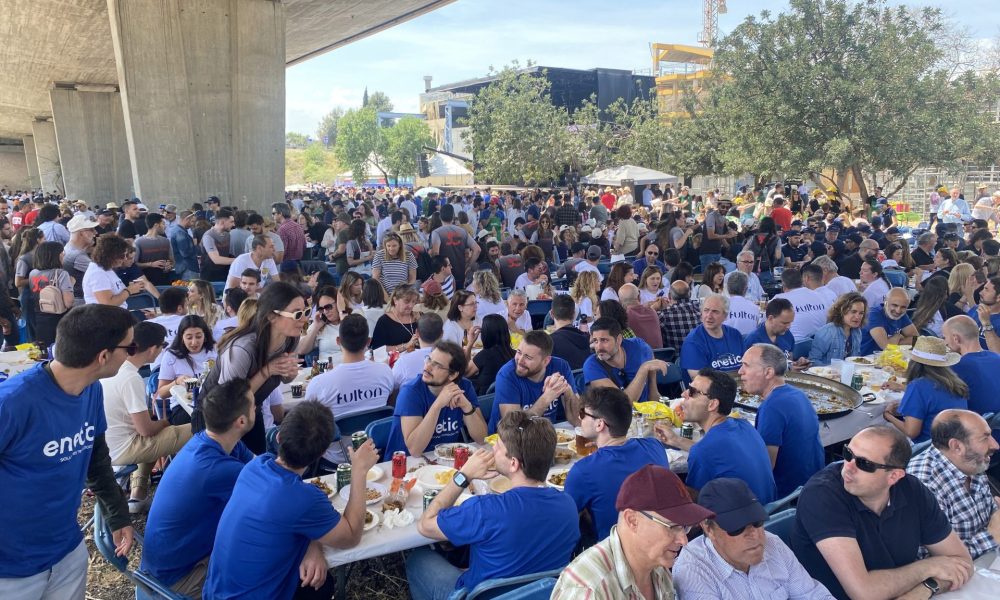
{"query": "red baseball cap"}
(656, 489)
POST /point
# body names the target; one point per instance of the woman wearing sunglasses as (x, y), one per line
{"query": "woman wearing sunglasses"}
(931, 386)
(186, 357)
(262, 352)
(324, 328)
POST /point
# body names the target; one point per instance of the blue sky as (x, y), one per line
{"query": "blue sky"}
(462, 40)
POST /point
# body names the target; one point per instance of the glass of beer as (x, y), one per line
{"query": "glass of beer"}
(583, 447)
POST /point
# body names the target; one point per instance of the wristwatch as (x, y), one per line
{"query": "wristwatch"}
(932, 584)
(988, 327)
(463, 482)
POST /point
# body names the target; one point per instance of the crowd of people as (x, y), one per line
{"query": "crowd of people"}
(422, 304)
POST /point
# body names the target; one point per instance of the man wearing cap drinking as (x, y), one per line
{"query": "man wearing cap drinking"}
(860, 524)
(655, 514)
(736, 558)
(76, 253)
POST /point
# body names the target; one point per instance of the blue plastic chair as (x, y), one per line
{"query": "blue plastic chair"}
(896, 277)
(378, 432)
(486, 405)
(538, 590)
(673, 375)
(219, 287)
(499, 587)
(781, 525)
(491, 389)
(578, 380)
(802, 348)
(360, 421)
(783, 503)
(140, 301)
(919, 449)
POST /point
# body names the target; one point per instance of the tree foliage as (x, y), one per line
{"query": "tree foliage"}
(857, 86)
(313, 164)
(404, 144)
(327, 127)
(295, 140)
(360, 142)
(378, 101)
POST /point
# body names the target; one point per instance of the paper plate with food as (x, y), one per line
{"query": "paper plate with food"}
(557, 478)
(826, 372)
(563, 456)
(322, 485)
(500, 484)
(434, 477)
(375, 492)
(564, 436)
(864, 361)
(371, 519)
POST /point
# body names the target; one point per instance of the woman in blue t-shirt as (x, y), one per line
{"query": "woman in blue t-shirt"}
(931, 386)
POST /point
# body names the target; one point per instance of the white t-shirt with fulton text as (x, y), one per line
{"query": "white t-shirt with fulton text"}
(744, 315)
(810, 311)
(268, 269)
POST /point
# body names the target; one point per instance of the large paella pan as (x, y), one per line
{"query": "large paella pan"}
(830, 398)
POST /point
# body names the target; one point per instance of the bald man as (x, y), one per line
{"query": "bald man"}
(678, 319)
(978, 368)
(888, 323)
(642, 320)
(954, 470)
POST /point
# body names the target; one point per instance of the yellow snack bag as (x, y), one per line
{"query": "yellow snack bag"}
(657, 410)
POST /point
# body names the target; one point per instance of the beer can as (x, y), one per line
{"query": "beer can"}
(398, 464)
(343, 475)
(358, 438)
(461, 456)
(687, 431)
(429, 497)
(857, 382)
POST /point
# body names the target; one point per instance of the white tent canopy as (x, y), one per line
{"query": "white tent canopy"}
(638, 175)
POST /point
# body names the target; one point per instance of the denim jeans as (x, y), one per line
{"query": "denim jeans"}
(430, 575)
(707, 259)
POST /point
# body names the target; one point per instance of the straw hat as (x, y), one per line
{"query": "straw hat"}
(933, 352)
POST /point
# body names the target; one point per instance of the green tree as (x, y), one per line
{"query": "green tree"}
(378, 101)
(862, 87)
(405, 142)
(295, 140)
(327, 127)
(516, 134)
(361, 143)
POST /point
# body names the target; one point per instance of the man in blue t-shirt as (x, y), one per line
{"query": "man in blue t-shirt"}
(651, 258)
(52, 446)
(888, 323)
(536, 382)
(978, 368)
(786, 420)
(728, 447)
(776, 328)
(625, 364)
(180, 530)
(712, 344)
(433, 408)
(594, 481)
(860, 525)
(273, 516)
(988, 310)
(530, 528)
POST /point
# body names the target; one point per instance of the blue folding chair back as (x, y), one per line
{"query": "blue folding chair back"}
(781, 525)
(896, 277)
(501, 587)
(378, 432)
(360, 421)
(537, 590)
(147, 587)
(578, 380)
(140, 301)
(783, 503)
(673, 375)
(486, 405)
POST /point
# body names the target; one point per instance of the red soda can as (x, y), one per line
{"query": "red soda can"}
(398, 464)
(461, 456)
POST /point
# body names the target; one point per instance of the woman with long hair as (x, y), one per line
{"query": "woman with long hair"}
(487, 290)
(711, 280)
(397, 328)
(651, 287)
(584, 293)
(906, 260)
(627, 234)
(962, 286)
(23, 249)
(48, 271)
(495, 354)
(874, 284)
(460, 325)
(945, 260)
(931, 387)
(841, 336)
(613, 309)
(544, 237)
(349, 294)
(373, 302)
(186, 358)
(621, 273)
(201, 301)
(359, 249)
(100, 283)
(766, 248)
(393, 264)
(324, 327)
(262, 352)
(933, 307)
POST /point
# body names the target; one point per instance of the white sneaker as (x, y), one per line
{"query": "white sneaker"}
(136, 507)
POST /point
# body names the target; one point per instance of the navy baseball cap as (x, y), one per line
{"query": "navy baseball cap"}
(733, 503)
(833, 227)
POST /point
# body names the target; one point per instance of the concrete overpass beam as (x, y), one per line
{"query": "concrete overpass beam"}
(203, 90)
(47, 151)
(90, 129)
(32, 160)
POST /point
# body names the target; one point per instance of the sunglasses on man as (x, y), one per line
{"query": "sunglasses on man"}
(864, 464)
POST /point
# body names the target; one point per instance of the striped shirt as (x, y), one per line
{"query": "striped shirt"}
(393, 272)
(602, 573)
(448, 287)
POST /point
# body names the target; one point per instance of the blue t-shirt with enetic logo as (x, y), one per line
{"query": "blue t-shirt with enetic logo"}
(637, 351)
(514, 389)
(46, 440)
(414, 400)
(701, 350)
(878, 318)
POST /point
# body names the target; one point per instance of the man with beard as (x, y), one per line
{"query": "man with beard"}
(536, 382)
(888, 323)
(616, 362)
(433, 408)
(954, 470)
(987, 315)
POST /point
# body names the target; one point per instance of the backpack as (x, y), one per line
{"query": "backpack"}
(50, 299)
(425, 264)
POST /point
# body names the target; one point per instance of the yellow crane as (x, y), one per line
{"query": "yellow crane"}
(710, 21)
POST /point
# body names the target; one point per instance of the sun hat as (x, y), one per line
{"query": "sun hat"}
(406, 228)
(733, 503)
(933, 352)
(80, 222)
(656, 489)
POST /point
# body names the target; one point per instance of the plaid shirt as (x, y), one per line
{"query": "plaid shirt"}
(601, 572)
(677, 320)
(968, 511)
(567, 215)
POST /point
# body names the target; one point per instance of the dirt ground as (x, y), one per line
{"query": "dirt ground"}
(378, 579)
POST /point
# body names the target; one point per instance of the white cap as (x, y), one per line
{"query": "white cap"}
(80, 222)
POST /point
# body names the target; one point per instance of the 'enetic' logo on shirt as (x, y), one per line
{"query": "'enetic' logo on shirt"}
(72, 446)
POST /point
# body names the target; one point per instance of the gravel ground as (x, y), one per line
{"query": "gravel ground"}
(381, 578)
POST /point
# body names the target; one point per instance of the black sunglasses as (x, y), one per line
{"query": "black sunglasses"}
(739, 532)
(325, 307)
(131, 348)
(584, 413)
(864, 464)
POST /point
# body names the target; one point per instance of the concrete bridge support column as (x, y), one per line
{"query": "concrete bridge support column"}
(203, 89)
(47, 152)
(32, 160)
(90, 128)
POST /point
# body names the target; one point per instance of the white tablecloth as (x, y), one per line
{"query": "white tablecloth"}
(985, 582)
